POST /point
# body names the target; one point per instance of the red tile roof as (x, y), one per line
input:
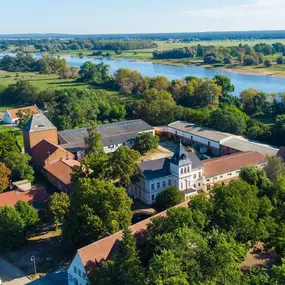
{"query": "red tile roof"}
(10, 198)
(100, 250)
(62, 169)
(13, 112)
(224, 164)
(44, 149)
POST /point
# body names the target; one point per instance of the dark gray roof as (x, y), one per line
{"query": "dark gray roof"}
(160, 167)
(113, 133)
(180, 156)
(38, 123)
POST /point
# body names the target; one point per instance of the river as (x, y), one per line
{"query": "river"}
(241, 82)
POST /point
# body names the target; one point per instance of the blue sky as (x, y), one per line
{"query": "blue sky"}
(139, 16)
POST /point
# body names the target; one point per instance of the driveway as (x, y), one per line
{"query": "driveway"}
(11, 275)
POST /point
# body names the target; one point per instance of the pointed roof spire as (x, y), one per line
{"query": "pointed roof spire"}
(180, 156)
(38, 123)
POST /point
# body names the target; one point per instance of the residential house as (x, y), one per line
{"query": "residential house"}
(12, 116)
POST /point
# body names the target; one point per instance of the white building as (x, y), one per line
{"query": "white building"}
(12, 116)
(183, 170)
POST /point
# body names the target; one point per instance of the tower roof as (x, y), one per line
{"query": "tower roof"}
(39, 123)
(180, 157)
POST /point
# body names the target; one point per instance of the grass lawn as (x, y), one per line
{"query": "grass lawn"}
(18, 133)
(42, 81)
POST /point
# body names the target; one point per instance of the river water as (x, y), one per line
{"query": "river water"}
(241, 82)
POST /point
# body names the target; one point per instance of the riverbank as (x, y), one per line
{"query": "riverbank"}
(274, 71)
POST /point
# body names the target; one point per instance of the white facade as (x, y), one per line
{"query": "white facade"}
(76, 272)
(7, 119)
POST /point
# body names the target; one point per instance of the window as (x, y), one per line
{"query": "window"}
(199, 174)
(188, 169)
(208, 180)
(208, 187)
(238, 172)
(152, 197)
(221, 176)
(163, 184)
(229, 174)
(84, 276)
(75, 269)
(194, 176)
(199, 184)
(158, 185)
(181, 185)
(191, 138)
(194, 185)
(216, 178)
(209, 143)
(169, 182)
(152, 186)
(75, 281)
(181, 171)
(185, 169)
(79, 272)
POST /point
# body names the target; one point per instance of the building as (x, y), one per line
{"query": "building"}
(34, 197)
(183, 170)
(39, 128)
(114, 135)
(224, 169)
(90, 256)
(218, 143)
(12, 116)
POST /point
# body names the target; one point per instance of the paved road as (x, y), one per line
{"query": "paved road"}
(11, 275)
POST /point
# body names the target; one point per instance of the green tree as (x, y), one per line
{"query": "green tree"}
(58, 206)
(123, 165)
(280, 60)
(5, 173)
(169, 198)
(24, 116)
(128, 267)
(268, 62)
(8, 144)
(225, 83)
(145, 142)
(19, 165)
(96, 207)
(279, 130)
(11, 229)
(229, 119)
(254, 176)
(275, 168)
(28, 214)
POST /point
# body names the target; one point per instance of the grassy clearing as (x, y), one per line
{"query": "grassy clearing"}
(15, 131)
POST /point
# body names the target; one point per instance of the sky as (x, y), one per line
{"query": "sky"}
(139, 16)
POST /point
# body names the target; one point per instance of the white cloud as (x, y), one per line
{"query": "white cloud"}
(262, 14)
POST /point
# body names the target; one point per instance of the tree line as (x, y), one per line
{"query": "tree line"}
(244, 54)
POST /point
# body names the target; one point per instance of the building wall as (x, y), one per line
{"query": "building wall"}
(57, 183)
(189, 138)
(33, 138)
(76, 272)
(7, 119)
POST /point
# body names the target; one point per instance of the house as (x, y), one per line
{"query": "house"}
(224, 169)
(114, 135)
(183, 170)
(34, 197)
(218, 143)
(46, 152)
(59, 173)
(90, 256)
(12, 116)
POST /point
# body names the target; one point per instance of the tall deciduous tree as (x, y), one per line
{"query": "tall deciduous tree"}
(11, 228)
(275, 168)
(28, 214)
(96, 207)
(123, 164)
(5, 173)
(145, 142)
(169, 198)
(58, 206)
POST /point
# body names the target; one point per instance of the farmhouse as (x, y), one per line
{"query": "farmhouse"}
(12, 116)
